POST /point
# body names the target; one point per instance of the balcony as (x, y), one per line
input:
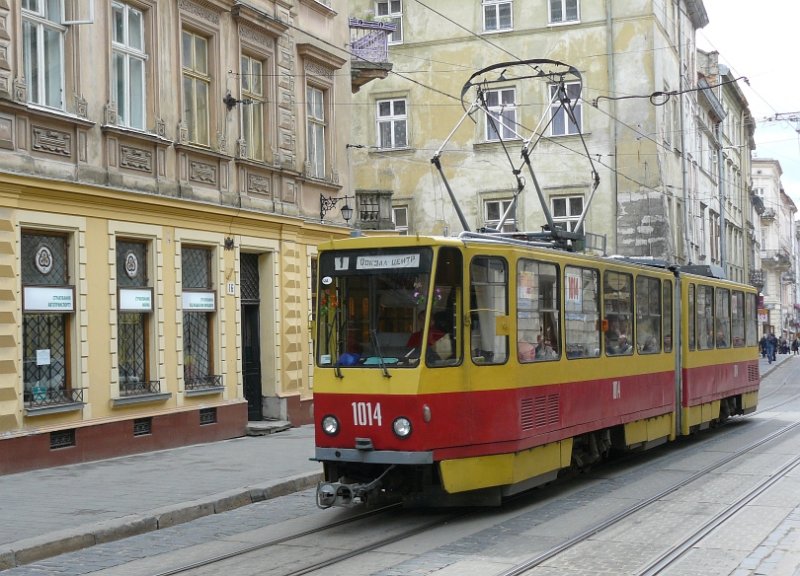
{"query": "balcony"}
(768, 214)
(369, 46)
(775, 259)
(757, 278)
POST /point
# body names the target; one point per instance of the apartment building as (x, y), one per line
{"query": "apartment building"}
(778, 250)
(665, 147)
(165, 169)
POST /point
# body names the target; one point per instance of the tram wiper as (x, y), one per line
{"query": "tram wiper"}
(374, 334)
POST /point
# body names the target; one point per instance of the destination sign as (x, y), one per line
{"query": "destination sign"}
(387, 261)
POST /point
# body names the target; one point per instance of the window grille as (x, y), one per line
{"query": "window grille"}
(62, 439)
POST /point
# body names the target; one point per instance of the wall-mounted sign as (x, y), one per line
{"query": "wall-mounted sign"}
(48, 299)
(135, 300)
(199, 301)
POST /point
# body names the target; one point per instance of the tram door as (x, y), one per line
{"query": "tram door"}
(251, 345)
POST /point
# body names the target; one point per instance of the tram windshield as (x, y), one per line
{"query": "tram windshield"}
(373, 306)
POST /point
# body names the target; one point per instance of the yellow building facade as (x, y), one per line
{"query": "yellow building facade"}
(163, 174)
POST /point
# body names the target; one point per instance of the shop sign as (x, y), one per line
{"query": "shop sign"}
(199, 301)
(48, 299)
(135, 300)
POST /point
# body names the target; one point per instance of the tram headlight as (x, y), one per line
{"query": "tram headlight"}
(402, 427)
(330, 425)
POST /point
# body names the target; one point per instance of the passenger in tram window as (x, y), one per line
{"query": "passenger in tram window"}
(414, 342)
(623, 347)
(544, 349)
(526, 351)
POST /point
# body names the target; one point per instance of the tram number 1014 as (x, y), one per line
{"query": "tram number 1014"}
(365, 414)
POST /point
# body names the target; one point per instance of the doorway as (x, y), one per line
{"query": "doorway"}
(251, 342)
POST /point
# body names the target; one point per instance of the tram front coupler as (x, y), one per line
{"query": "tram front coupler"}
(341, 495)
(347, 495)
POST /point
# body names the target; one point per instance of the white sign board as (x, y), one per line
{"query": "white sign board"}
(48, 299)
(199, 301)
(135, 300)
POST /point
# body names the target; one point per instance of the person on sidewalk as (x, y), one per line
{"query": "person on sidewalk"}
(772, 344)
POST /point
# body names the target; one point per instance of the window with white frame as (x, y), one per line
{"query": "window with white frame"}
(196, 87)
(493, 212)
(497, 15)
(400, 219)
(128, 88)
(567, 210)
(315, 119)
(564, 11)
(562, 124)
(392, 123)
(253, 128)
(43, 51)
(503, 111)
(392, 11)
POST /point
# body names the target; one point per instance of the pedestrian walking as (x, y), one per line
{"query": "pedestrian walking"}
(772, 345)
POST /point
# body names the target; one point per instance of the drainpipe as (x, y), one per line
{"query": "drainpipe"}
(687, 254)
(721, 187)
(612, 89)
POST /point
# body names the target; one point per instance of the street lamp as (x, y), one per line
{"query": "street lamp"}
(327, 203)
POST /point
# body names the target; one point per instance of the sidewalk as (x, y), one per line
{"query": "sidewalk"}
(764, 367)
(48, 512)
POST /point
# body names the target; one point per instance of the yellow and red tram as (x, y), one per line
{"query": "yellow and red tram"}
(461, 370)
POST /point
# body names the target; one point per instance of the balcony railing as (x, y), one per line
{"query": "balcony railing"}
(139, 388)
(211, 381)
(369, 41)
(45, 397)
(369, 45)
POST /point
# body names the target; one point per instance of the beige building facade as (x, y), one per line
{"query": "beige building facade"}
(624, 52)
(163, 173)
(669, 133)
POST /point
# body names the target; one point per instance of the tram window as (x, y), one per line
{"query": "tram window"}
(538, 334)
(668, 306)
(488, 302)
(582, 312)
(704, 309)
(648, 315)
(446, 302)
(737, 319)
(722, 318)
(751, 319)
(618, 311)
(691, 325)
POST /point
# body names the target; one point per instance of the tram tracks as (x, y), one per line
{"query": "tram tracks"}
(677, 550)
(326, 556)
